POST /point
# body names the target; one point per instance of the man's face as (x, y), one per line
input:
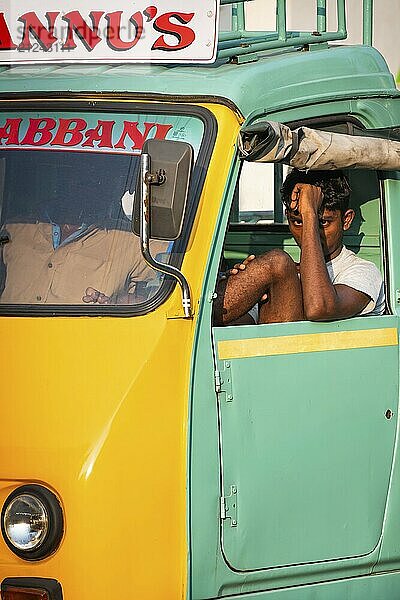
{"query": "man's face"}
(332, 224)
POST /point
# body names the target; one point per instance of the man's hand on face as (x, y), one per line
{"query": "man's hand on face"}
(93, 296)
(306, 198)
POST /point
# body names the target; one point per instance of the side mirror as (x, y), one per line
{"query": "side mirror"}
(170, 165)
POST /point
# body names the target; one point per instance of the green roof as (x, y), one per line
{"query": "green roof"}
(275, 79)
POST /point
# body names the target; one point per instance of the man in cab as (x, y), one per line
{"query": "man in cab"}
(330, 281)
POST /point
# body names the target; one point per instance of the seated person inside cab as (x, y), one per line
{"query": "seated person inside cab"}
(72, 262)
(330, 282)
(70, 242)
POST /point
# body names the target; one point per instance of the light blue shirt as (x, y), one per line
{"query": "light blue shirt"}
(56, 234)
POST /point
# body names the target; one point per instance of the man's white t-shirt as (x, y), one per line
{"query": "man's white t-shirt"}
(361, 275)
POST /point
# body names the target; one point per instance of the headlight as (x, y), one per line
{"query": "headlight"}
(32, 522)
(26, 522)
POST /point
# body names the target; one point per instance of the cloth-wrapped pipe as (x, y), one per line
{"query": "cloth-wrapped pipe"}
(313, 149)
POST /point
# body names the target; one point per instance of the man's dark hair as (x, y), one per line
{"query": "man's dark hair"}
(334, 185)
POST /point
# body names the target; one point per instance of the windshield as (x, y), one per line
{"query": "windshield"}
(67, 186)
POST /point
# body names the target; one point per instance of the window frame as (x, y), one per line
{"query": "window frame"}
(124, 104)
(350, 121)
(319, 122)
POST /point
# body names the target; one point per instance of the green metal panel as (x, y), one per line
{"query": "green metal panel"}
(371, 112)
(380, 587)
(389, 558)
(282, 79)
(210, 574)
(306, 442)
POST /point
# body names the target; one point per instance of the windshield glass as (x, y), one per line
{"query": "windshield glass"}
(67, 184)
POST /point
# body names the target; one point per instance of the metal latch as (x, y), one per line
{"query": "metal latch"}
(229, 506)
(223, 381)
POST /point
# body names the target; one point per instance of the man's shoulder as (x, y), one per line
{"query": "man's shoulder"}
(351, 260)
(364, 276)
(26, 229)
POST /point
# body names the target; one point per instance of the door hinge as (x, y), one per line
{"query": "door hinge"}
(228, 506)
(223, 381)
(217, 376)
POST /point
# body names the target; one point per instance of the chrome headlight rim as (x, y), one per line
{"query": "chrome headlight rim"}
(55, 529)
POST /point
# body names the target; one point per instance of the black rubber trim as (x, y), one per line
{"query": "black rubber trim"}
(51, 586)
(56, 522)
(74, 102)
(354, 126)
(320, 122)
(144, 96)
(298, 105)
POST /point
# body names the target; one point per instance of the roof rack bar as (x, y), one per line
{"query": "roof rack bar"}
(238, 41)
(227, 50)
(368, 15)
(281, 19)
(341, 15)
(321, 16)
(254, 37)
(247, 36)
(238, 17)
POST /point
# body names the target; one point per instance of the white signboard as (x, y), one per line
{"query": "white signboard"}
(168, 31)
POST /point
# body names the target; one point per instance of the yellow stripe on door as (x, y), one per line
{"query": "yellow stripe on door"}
(314, 342)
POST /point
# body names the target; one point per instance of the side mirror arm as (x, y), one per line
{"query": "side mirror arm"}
(147, 180)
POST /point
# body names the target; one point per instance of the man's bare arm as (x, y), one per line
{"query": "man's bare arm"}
(321, 299)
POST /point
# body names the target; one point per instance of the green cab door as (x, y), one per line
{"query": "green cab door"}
(307, 428)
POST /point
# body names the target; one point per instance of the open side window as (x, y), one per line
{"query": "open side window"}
(258, 222)
(257, 231)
